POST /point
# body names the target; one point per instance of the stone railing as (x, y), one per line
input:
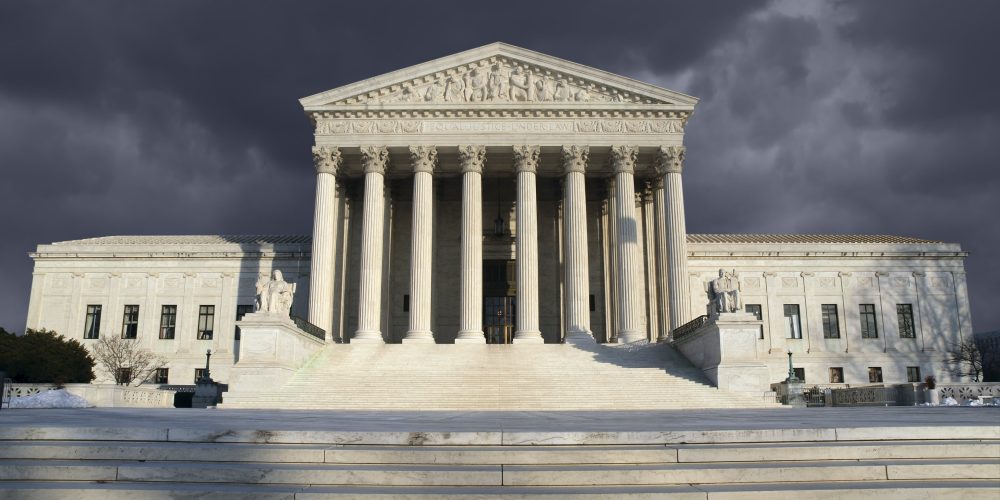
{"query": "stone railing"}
(18, 390)
(311, 329)
(689, 327)
(872, 395)
(909, 394)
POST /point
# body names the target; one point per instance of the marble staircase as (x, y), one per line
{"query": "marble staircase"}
(765, 465)
(497, 377)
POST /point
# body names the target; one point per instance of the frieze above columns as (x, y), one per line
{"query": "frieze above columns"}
(651, 126)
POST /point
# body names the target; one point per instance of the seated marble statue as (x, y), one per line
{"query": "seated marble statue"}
(274, 295)
(726, 293)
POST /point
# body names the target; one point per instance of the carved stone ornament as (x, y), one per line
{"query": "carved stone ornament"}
(326, 159)
(575, 158)
(423, 158)
(623, 158)
(670, 160)
(487, 125)
(497, 80)
(472, 158)
(526, 157)
(374, 159)
(274, 295)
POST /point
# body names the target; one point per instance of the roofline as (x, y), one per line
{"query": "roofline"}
(496, 48)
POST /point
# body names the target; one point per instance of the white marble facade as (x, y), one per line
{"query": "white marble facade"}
(582, 170)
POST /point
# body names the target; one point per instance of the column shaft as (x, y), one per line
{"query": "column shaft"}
(577, 272)
(670, 164)
(421, 245)
(662, 276)
(471, 306)
(631, 298)
(527, 331)
(372, 228)
(327, 161)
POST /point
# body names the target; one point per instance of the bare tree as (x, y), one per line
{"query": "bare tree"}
(125, 360)
(966, 360)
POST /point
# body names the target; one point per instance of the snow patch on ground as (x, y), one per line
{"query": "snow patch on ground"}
(57, 398)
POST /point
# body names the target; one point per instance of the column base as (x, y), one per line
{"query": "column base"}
(470, 337)
(419, 337)
(367, 337)
(627, 337)
(580, 338)
(533, 337)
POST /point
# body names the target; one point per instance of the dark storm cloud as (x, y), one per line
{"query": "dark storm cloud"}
(126, 117)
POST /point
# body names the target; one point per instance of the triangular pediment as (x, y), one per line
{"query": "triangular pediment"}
(497, 74)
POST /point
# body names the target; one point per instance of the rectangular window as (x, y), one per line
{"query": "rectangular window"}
(869, 327)
(800, 373)
(913, 374)
(904, 313)
(168, 321)
(198, 373)
(831, 324)
(875, 374)
(836, 375)
(124, 376)
(757, 313)
(130, 322)
(92, 326)
(206, 322)
(242, 310)
(793, 324)
(161, 376)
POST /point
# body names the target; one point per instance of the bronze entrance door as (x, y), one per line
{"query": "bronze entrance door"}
(499, 302)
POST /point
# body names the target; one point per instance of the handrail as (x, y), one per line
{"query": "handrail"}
(689, 327)
(309, 328)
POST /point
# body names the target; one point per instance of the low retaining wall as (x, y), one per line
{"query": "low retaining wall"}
(103, 395)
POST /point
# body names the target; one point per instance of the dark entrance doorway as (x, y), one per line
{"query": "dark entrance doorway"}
(499, 300)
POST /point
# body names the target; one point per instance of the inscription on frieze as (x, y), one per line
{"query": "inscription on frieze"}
(368, 127)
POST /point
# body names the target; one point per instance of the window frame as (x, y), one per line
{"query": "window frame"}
(875, 372)
(869, 321)
(206, 322)
(831, 321)
(130, 321)
(759, 314)
(793, 330)
(173, 321)
(161, 376)
(904, 316)
(241, 310)
(92, 322)
(839, 370)
(913, 374)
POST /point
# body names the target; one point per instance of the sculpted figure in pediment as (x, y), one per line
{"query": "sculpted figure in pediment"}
(520, 85)
(434, 92)
(476, 84)
(455, 89)
(497, 84)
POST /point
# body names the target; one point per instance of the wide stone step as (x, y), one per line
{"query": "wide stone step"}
(495, 455)
(495, 475)
(836, 490)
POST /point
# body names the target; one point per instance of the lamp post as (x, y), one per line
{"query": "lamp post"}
(792, 379)
(206, 377)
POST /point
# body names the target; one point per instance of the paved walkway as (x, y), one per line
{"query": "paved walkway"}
(520, 421)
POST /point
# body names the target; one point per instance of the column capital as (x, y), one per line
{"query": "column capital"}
(374, 159)
(623, 158)
(670, 159)
(472, 158)
(423, 158)
(575, 157)
(326, 159)
(526, 158)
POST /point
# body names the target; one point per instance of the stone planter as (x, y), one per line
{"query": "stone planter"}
(933, 396)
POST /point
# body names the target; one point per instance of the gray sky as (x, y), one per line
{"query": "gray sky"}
(122, 117)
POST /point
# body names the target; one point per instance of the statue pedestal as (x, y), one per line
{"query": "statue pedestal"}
(725, 349)
(272, 349)
(792, 394)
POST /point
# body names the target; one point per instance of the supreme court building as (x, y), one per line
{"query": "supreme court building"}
(502, 196)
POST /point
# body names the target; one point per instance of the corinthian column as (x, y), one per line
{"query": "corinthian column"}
(670, 162)
(374, 159)
(662, 276)
(471, 306)
(577, 289)
(422, 232)
(526, 163)
(327, 161)
(631, 299)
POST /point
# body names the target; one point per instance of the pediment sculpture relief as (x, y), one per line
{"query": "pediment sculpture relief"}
(498, 80)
